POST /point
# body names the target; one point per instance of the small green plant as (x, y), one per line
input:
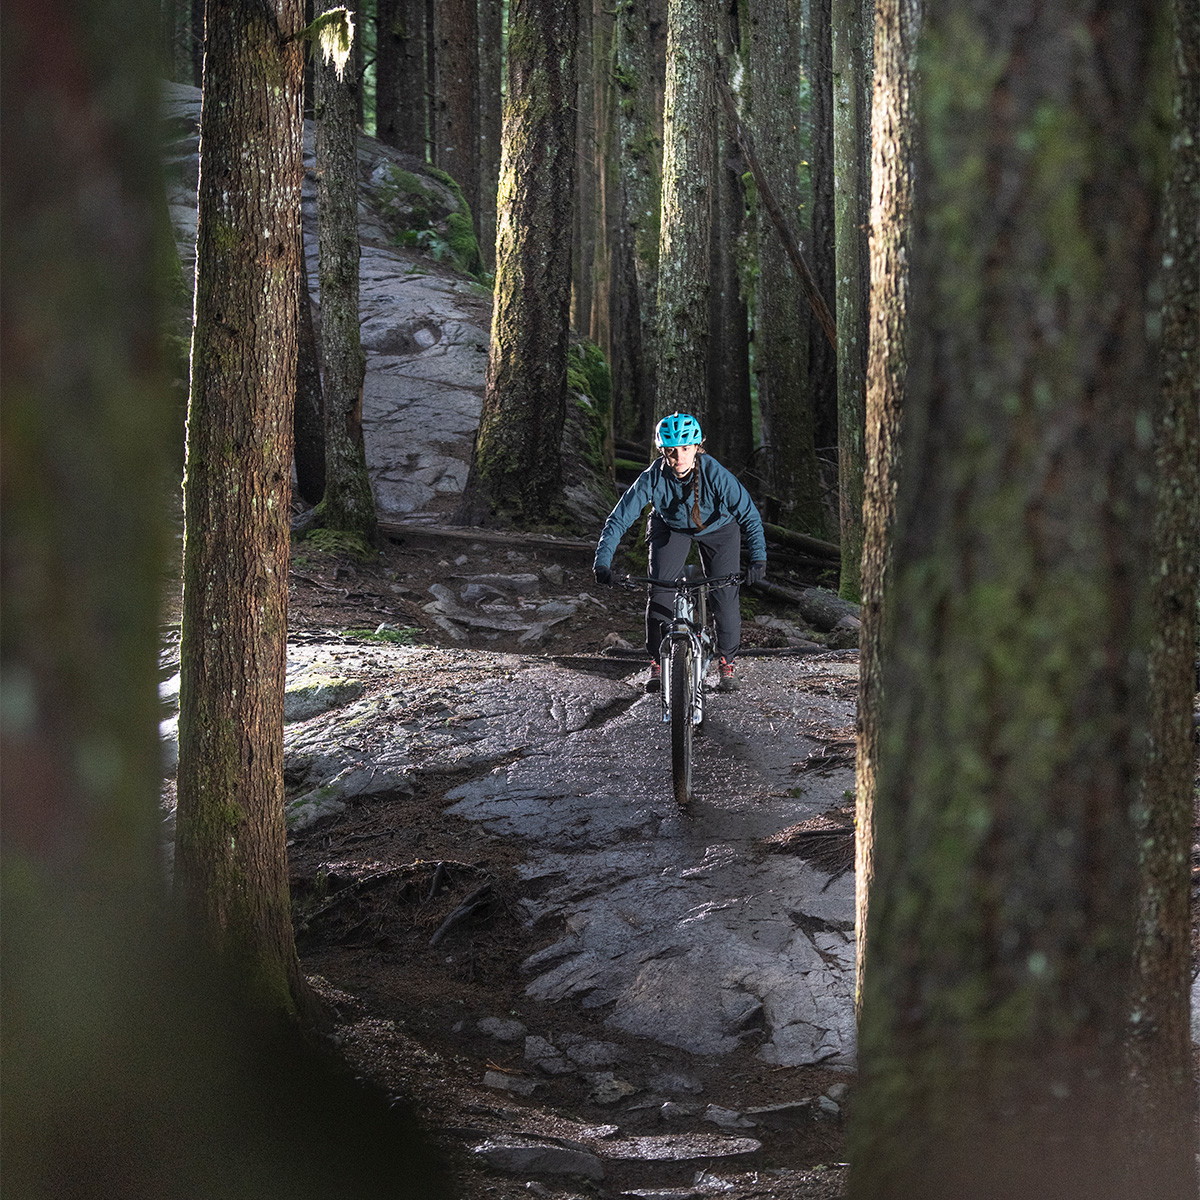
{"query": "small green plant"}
(391, 634)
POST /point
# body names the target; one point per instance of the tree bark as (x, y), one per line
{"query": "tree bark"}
(347, 504)
(897, 26)
(491, 69)
(308, 413)
(729, 429)
(583, 257)
(401, 105)
(822, 363)
(851, 168)
(1012, 736)
(456, 96)
(1162, 1097)
(515, 473)
(231, 859)
(689, 129)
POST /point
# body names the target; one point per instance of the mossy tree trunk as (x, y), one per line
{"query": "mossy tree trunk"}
(515, 470)
(347, 504)
(1013, 726)
(456, 96)
(401, 105)
(85, 429)
(781, 344)
(897, 26)
(851, 209)
(689, 131)
(1162, 1097)
(231, 860)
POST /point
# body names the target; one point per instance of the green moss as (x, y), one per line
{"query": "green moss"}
(338, 541)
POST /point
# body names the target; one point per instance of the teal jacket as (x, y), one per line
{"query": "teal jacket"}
(722, 499)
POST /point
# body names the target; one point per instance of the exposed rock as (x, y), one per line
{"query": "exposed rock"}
(727, 1118)
(517, 1084)
(608, 1089)
(546, 1056)
(539, 1158)
(501, 1029)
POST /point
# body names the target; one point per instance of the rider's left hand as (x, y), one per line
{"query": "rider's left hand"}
(756, 572)
(603, 575)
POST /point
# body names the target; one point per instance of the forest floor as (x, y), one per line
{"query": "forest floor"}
(406, 1012)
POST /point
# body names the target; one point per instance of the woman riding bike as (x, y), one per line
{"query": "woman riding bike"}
(693, 499)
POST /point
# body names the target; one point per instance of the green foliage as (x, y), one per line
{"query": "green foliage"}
(390, 634)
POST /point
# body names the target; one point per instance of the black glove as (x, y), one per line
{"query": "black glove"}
(603, 575)
(756, 572)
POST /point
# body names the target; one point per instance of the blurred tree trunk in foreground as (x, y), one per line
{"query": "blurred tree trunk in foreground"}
(1012, 739)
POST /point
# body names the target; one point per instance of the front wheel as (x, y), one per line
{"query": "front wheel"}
(680, 681)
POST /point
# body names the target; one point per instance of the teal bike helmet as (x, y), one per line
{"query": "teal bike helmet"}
(679, 429)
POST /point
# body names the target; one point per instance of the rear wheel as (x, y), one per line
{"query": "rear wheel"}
(680, 673)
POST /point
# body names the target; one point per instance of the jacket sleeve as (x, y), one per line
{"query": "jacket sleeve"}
(743, 510)
(628, 509)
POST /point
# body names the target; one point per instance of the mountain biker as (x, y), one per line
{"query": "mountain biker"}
(693, 499)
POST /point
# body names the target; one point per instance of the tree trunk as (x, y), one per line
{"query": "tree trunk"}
(822, 364)
(348, 504)
(605, 167)
(515, 473)
(491, 68)
(641, 58)
(456, 96)
(728, 432)
(689, 130)
(897, 25)
(583, 255)
(308, 414)
(1162, 1099)
(400, 101)
(1012, 735)
(851, 214)
(781, 329)
(231, 859)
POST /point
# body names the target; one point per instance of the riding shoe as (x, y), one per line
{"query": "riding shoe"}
(654, 680)
(725, 677)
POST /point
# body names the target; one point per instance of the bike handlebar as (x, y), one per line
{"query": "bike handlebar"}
(683, 584)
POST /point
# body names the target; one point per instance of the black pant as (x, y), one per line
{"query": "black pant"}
(720, 554)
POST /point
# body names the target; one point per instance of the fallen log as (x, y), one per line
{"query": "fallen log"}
(821, 608)
(823, 550)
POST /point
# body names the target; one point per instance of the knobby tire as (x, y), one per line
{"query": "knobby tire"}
(680, 676)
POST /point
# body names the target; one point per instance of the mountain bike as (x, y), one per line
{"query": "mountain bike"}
(685, 654)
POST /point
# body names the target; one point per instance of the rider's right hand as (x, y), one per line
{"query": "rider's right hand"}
(603, 575)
